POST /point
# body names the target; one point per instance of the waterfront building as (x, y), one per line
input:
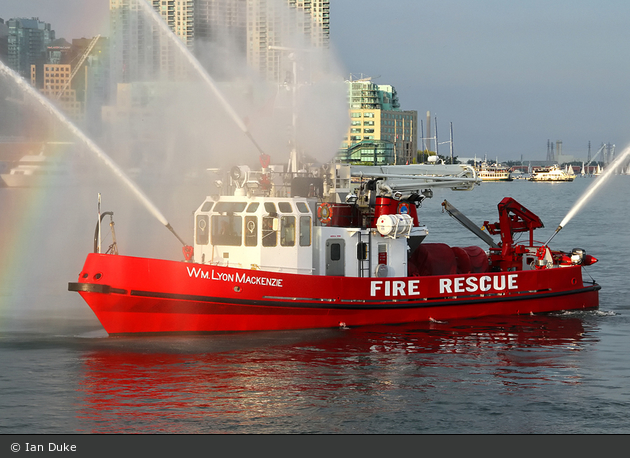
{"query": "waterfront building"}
(72, 74)
(380, 132)
(53, 79)
(26, 43)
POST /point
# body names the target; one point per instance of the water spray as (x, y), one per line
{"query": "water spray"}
(48, 106)
(199, 68)
(590, 191)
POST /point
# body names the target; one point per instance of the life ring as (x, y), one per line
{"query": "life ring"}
(324, 213)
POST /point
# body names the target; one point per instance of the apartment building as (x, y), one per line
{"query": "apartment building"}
(380, 132)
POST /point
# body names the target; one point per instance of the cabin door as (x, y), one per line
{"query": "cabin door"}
(335, 257)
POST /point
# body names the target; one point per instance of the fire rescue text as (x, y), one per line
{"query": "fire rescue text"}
(485, 283)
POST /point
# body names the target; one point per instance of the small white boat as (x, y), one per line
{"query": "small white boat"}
(31, 171)
(493, 172)
(551, 173)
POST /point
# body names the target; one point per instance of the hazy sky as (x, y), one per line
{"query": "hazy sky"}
(509, 75)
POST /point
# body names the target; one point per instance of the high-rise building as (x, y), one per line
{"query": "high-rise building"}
(222, 22)
(380, 132)
(27, 42)
(253, 28)
(140, 50)
(318, 29)
(180, 17)
(131, 43)
(275, 33)
(258, 29)
(4, 41)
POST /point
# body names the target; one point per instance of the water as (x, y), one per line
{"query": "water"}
(591, 190)
(564, 373)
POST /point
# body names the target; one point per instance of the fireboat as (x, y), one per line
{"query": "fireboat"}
(332, 246)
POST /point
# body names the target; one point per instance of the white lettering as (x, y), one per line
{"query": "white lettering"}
(413, 287)
(233, 277)
(395, 288)
(512, 281)
(374, 287)
(399, 288)
(445, 285)
(495, 282)
(52, 447)
(472, 285)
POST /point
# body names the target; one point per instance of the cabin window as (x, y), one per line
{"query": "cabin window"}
(302, 207)
(207, 206)
(285, 207)
(269, 236)
(202, 230)
(335, 251)
(305, 230)
(287, 231)
(253, 207)
(270, 208)
(229, 207)
(227, 230)
(251, 230)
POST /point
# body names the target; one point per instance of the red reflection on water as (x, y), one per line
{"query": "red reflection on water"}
(223, 383)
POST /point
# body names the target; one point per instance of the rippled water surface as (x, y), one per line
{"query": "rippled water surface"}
(561, 373)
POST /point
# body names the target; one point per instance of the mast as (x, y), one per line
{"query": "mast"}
(436, 138)
(451, 143)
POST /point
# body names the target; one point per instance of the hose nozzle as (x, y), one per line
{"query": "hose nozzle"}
(553, 235)
(170, 228)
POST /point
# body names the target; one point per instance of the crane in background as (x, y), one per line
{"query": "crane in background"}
(78, 65)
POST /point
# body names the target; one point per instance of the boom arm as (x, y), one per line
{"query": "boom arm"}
(513, 217)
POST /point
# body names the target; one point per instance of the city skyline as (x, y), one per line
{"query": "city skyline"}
(510, 77)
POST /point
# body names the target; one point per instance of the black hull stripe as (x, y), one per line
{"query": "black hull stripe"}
(105, 289)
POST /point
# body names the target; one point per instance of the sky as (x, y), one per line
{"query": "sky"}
(508, 75)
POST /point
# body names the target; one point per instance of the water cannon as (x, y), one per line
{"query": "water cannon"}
(553, 235)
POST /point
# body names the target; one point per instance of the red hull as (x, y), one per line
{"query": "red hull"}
(140, 295)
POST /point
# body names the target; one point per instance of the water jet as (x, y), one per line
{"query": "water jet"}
(93, 147)
(591, 190)
(194, 62)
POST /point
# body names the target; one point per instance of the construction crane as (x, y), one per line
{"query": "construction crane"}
(78, 65)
